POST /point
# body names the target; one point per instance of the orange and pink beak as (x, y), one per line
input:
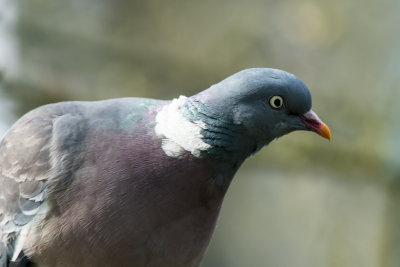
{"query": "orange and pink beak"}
(313, 123)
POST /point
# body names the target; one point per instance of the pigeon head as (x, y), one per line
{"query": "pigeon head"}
(269, 103)
(249, 109)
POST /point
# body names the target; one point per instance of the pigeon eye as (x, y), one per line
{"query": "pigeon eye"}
(276, 101)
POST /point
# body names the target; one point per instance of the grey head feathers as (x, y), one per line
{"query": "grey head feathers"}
(238, 115)
(257, 84)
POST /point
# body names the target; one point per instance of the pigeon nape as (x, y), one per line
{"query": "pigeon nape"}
(135, 181)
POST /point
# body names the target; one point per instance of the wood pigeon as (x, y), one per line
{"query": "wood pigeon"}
(134, 181)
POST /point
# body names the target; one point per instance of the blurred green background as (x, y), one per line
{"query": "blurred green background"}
(302, 201)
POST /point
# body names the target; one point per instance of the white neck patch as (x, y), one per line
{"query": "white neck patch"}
(178, 133)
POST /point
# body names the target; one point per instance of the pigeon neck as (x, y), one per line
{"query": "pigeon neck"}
(188, 125)
(223, 136)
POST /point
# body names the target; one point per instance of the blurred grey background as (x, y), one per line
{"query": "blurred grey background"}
(302, 201)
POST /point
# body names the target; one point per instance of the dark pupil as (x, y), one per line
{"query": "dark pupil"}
(277, 102)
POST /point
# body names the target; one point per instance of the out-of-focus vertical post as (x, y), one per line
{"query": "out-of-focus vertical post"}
(9, 55)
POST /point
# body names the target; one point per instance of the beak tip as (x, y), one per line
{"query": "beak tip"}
(324, 131)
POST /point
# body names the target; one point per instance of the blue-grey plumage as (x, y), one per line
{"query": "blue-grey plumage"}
(137, 182)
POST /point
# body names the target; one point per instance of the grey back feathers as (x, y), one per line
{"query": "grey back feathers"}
(35, 150)
(38, 158)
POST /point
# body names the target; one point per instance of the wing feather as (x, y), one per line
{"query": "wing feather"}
(34, 155)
